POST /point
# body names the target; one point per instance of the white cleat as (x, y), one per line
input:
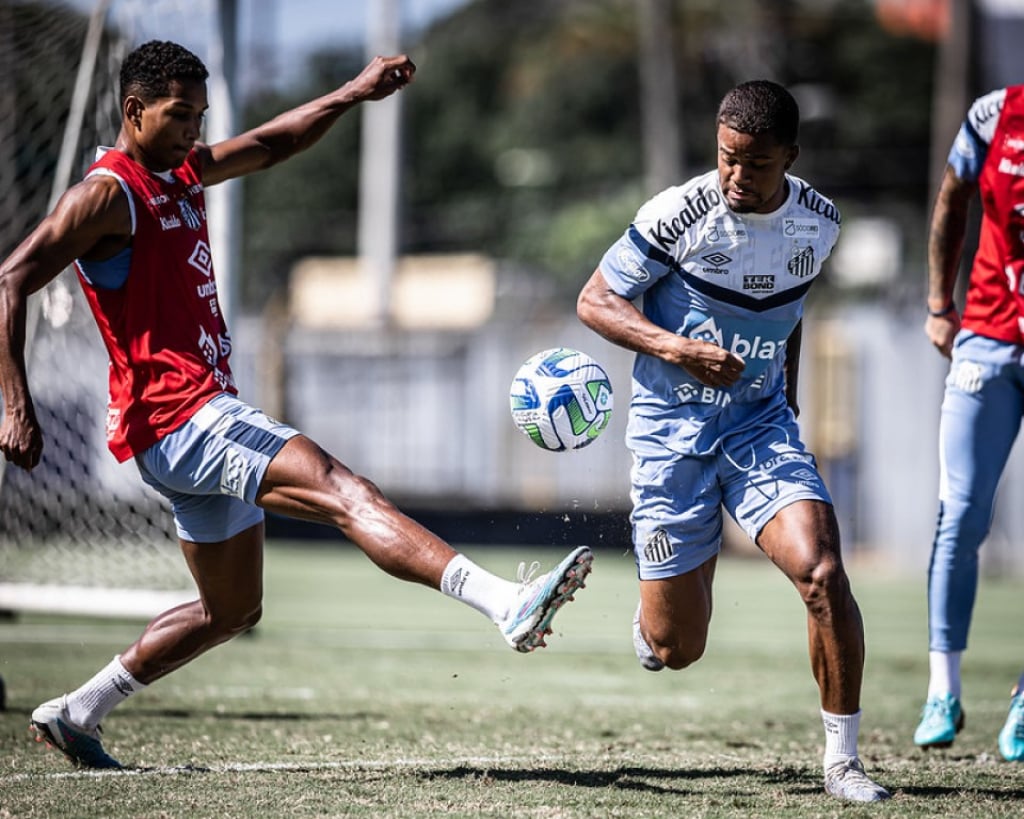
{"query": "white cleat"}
(847, 780)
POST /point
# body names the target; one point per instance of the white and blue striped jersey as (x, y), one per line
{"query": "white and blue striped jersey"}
(735, 279)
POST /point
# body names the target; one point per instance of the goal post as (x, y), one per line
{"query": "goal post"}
(81, 533)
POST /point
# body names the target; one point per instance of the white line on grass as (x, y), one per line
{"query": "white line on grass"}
(273, 767)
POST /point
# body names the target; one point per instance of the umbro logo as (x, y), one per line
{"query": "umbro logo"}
(456, 582)
(716, 259)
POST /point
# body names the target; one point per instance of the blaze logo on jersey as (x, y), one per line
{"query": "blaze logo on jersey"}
(757, 347)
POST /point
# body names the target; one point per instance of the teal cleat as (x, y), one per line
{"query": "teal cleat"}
(50, 724)
(1011, 738)
(529, 620)
(942, 719)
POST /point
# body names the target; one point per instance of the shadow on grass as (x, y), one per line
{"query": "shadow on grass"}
(796, 781)
(632, 778)
(259, 716)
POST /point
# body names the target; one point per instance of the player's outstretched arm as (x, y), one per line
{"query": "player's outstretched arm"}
(610, 315)
(91, 218)
(296, 130)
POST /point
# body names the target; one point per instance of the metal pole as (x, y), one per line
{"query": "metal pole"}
(224, 201)
(379, 167)
(659, 95)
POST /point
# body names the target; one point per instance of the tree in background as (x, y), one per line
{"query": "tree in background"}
(522, 130)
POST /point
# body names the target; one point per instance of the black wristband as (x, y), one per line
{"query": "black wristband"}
(949, 308)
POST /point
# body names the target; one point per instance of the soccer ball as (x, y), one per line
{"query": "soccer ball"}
(561, 399)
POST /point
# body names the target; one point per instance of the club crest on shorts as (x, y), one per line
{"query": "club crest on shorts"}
(658, 548)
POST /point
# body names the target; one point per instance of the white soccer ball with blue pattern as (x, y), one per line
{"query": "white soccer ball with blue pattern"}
(561, 399)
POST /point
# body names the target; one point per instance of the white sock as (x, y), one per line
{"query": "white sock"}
(841, 732)
(88, 705)
(944, 673)
(476, 587)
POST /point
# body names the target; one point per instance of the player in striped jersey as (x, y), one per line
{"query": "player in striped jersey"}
(723, 264)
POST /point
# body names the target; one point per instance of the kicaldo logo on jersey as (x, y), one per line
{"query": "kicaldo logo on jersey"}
(746, 348)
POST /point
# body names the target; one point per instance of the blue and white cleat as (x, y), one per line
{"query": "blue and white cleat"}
(942, 718)
(51, 724)
(529, 619)
(1011, 738)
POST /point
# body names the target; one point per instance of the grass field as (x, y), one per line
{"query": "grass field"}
(362, 696)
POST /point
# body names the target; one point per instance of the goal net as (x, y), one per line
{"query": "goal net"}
(80, 533)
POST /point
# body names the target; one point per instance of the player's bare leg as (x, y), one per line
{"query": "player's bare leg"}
(674, 616)
(229, 577)
(303, 481)
(803, 541)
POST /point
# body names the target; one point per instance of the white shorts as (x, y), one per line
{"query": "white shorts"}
(211, 467)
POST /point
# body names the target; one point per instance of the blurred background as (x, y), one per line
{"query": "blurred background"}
(384, 287)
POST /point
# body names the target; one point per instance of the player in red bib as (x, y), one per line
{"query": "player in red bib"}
(984, 396)
(136, 229)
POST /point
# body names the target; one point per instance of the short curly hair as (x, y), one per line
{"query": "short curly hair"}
(148, 71)
(761, 107)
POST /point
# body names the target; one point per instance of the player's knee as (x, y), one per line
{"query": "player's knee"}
(963, 525)
(822, 584)
(230, 622)
(359, 499)
(679, 651)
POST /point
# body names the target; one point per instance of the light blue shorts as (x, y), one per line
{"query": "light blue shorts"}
(211, 467)
(678, 499)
